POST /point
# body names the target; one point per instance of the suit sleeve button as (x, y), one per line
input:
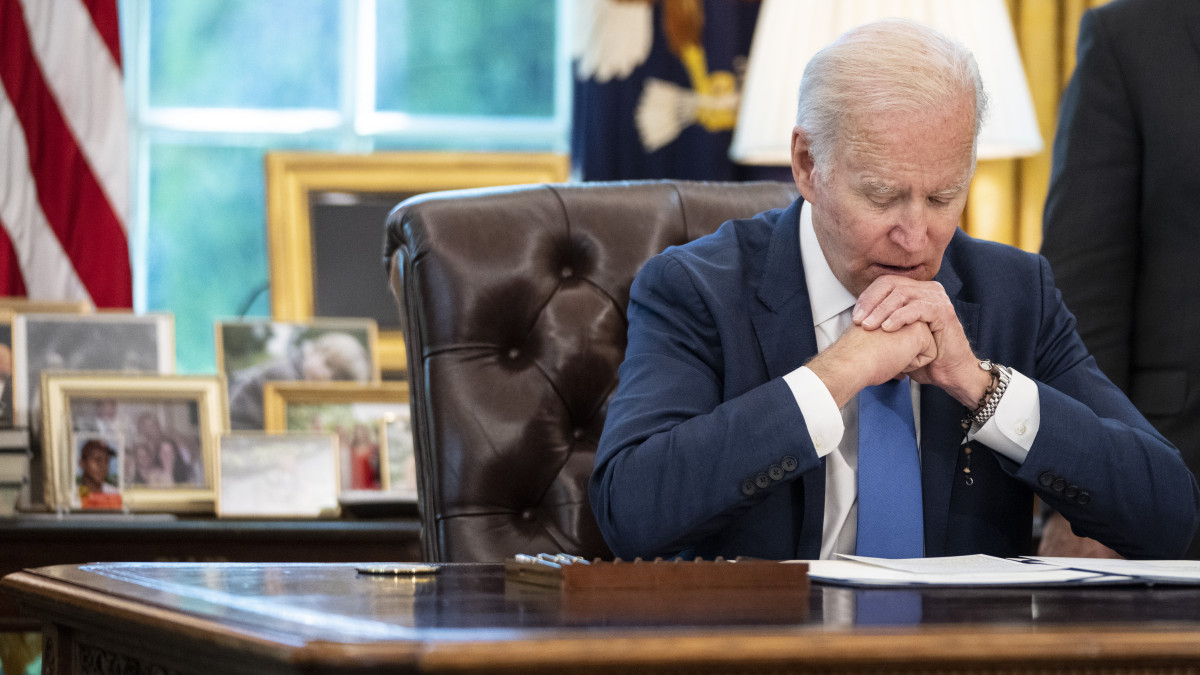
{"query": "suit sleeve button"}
(1083, 498)
(789, 463)
(1046, 479)
(775, 472)
(1071, 491)
(1059, 484)
(748, 487)
(762, 480)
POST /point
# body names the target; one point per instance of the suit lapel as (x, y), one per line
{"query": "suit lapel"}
(941, 434)
(786, 337)
(784, 322)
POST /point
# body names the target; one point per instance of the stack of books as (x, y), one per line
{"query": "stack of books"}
(14, 470)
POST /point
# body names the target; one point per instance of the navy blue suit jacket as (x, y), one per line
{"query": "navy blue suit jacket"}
(706, 453)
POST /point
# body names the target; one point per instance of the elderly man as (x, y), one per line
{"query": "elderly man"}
(827, 378)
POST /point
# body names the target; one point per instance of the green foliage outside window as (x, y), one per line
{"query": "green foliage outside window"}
(471, 57)
(244, 53)
(221, 82)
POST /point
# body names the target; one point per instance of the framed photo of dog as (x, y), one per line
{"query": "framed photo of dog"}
(253, 352)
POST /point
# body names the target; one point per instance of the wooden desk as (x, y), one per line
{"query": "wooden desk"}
(37, 542)
(291, 618)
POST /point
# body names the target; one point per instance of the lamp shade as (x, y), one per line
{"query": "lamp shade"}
(789, 32)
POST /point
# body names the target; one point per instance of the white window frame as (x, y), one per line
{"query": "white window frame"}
(355, 127)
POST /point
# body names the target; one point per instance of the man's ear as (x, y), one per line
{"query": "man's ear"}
(802, 162)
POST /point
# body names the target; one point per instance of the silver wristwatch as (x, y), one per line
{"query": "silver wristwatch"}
(1000, 379)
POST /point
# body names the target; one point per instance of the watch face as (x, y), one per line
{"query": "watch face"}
(986, 364)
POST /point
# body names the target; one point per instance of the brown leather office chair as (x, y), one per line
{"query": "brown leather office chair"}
(513, 304)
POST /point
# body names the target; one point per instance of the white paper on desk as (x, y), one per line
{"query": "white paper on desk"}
(955, 571)
(948, 565)
(1170, 571)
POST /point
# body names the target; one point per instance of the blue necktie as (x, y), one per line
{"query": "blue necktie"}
(890, 524)
(887, 607)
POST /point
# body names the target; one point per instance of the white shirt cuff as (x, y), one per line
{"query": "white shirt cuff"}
(1015, 424)
(821, 414)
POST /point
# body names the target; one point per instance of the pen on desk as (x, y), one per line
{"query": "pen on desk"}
(537, 560)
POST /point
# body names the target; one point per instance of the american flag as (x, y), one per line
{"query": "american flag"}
(64, 154)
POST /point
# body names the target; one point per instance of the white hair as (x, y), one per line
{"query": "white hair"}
(893, 65)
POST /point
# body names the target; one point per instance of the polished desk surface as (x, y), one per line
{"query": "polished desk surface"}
(235, 617)
(38, 541)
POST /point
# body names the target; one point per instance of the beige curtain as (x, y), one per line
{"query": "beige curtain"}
(1007, 195)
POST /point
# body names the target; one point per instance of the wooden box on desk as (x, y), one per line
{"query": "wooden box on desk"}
(589, 591)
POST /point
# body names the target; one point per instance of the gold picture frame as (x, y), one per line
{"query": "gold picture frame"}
(190, 412)
(21, 305)
(293, 177)
(373, 402)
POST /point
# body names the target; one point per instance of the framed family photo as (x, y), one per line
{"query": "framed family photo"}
(355, 414)
(10, 307)
(160, 433)
(112, 342)
(6, 369)
(292, 475)
(251, 353)
(325, 218)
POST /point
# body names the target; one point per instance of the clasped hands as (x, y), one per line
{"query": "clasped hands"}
(902, 327)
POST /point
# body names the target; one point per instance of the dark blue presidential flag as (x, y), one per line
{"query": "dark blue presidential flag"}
(657, 84)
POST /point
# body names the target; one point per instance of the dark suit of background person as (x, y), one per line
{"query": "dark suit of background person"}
(705, 450)
(1122, 220)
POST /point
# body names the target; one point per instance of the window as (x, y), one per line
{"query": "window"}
(214, 85)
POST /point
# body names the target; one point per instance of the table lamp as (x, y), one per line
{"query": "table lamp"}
(789, 32)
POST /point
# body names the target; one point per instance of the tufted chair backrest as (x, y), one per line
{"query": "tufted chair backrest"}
(513, 303)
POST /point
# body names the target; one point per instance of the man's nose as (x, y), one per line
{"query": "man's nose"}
(911, 230)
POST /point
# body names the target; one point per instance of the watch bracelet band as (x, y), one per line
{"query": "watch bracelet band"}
(1001, 378)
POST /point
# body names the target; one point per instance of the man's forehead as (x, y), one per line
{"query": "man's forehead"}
(883, 163)
(951, 123)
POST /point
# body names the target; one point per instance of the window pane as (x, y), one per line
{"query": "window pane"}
(466, 57)
(204, 255)
(234, 53)
(206, 250)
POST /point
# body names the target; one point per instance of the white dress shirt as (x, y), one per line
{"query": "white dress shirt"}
(834, 432)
